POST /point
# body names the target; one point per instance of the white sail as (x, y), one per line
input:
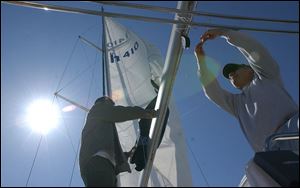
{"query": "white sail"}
(132, 63)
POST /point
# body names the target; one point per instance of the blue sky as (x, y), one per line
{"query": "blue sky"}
(37, 44)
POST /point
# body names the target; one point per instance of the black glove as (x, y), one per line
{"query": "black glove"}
(139, 156)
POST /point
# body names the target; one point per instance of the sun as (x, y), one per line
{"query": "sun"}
(42, 116)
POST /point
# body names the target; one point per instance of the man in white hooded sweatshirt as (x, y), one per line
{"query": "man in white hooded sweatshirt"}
(263, 107)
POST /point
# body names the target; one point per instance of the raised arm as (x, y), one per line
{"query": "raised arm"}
(121, 113)
(258, 56)
(210, 85)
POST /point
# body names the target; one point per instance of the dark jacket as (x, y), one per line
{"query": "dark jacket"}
(100, 133)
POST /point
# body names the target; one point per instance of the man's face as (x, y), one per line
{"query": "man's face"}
(241, 77)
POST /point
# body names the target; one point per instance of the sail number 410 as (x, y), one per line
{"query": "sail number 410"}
(115, 58)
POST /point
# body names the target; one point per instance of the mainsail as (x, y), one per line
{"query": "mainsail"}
(132, 63)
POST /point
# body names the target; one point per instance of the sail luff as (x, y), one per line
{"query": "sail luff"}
(169, 74)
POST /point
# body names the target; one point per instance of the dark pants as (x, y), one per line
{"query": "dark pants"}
(99, 172)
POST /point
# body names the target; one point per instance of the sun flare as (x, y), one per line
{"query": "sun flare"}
(42, 116)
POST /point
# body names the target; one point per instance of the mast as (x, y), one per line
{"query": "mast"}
(105, 65)
(168, 77)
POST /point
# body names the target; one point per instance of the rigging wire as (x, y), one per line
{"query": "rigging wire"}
(88, 29)
(77, 75)
(88, 99)
(37, 150)
(67, 65)
(68, 131)
(198, 165)
(72, 80)
(75, 78)
(195, 13)
(73, 169)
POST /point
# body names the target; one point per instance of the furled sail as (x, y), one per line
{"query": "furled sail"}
(132, 63)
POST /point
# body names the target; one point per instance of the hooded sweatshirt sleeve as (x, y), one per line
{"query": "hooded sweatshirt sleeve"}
(213, 90)
(258, 56)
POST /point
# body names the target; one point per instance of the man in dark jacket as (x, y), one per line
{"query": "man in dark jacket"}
(101, 157)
